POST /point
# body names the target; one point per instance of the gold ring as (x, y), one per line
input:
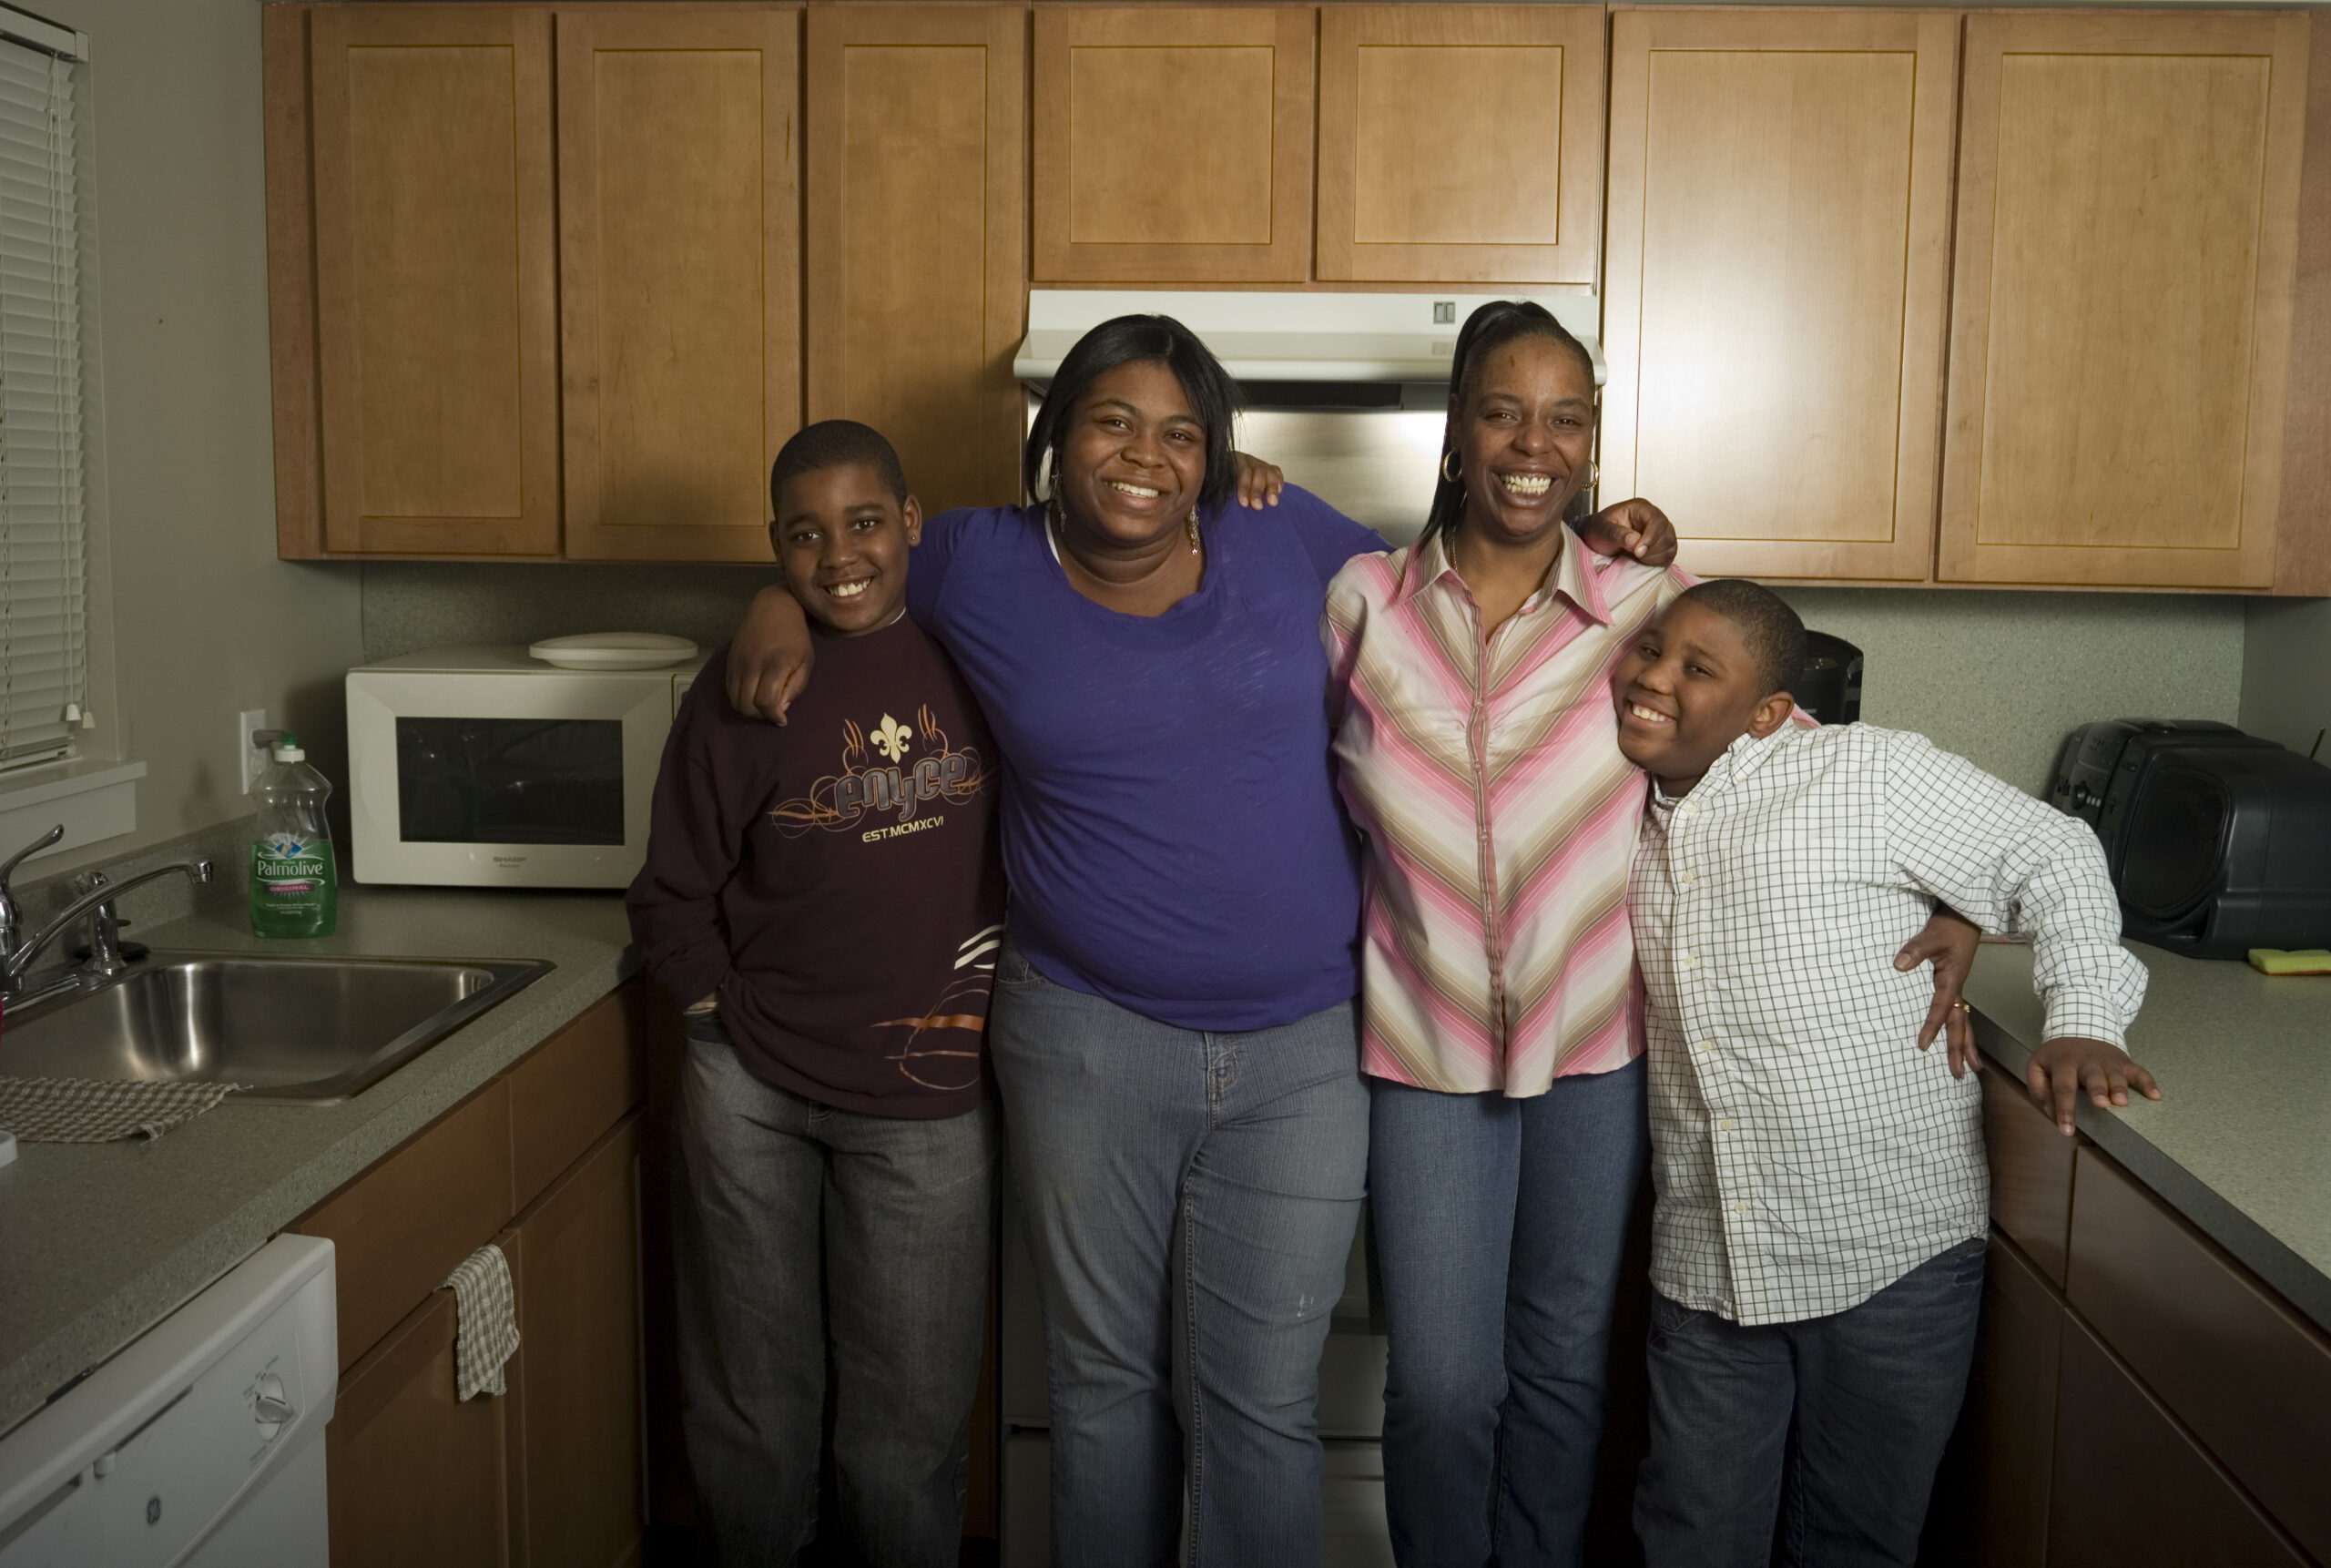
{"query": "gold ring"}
(1962, 1007)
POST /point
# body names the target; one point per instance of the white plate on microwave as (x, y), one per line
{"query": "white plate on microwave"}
(613, 650)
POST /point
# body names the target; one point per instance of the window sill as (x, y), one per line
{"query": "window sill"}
(95, 800)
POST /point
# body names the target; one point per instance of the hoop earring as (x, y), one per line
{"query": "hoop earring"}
(1593, 474)
(1446, 459)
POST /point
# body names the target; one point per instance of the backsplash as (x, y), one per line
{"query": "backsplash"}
(2000, 677)
(434, 604)
(1997, 676)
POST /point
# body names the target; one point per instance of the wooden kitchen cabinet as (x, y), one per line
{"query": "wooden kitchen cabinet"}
(400, 1229)
(680, 268)
(1459, 143)
(916, 253)
(1990, 1499)
(548, 1474)
(1173, 144)
(1775, 291)
(2131, 1489)
(414, 1475)
(2128, 215)
(578, 1312)
(420, 319)
(2226, 1355)
(2031, 1174)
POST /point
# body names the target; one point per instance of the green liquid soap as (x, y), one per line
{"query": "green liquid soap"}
(295, 877)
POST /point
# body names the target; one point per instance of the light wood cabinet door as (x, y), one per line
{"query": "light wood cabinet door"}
(1173, 145)
(414, 1475)
(2120, 316)
(436, 303)
(1459, 143)
(679, 142)
(576, 1375)
(1778, 249)
(916, 250)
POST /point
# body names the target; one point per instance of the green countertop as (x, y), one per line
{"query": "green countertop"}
(99, 1242)
(2240, 1143)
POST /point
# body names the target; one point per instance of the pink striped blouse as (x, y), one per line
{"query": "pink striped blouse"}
(1501, 818)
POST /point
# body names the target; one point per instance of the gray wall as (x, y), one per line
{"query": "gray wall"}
(2287, 672)
(205, 620)
(1997, 676)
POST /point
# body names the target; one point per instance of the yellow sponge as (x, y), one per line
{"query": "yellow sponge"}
(2274, 961)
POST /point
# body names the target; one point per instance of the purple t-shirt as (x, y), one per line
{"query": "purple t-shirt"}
(1171, 829)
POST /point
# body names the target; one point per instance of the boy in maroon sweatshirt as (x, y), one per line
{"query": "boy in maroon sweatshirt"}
(826, 897)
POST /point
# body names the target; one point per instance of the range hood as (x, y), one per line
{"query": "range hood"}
(1317, 338)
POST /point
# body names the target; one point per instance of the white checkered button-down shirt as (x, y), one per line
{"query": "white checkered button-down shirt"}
(1808, 1153)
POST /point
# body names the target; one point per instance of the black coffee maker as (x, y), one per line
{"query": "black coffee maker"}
(1831, 687)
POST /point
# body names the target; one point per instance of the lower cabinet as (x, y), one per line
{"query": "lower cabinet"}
(576, 1379)
(2140, 1398)
(544, 1162)
(415, 1476)
(1991, 1499)
(2131, 1488)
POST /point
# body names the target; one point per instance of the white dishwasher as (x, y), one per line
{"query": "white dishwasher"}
(201, 1444)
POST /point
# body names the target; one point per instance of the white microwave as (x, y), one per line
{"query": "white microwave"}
(485, 768)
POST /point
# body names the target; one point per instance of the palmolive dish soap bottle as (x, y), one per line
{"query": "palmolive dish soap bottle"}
(295, 882)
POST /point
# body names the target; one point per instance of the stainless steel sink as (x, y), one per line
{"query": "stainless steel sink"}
(312, 1029)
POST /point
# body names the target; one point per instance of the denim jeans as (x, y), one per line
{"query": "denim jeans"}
(811, 1230)
(1190, 1199)
(1872, 1393)
(1498, 1227)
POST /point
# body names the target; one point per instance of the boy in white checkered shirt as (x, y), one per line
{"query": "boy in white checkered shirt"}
(1818, 1245)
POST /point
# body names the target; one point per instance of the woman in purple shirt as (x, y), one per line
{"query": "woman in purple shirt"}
(1172, 1027)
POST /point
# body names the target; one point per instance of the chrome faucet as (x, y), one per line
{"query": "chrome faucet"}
(12, 927)
(17, 952)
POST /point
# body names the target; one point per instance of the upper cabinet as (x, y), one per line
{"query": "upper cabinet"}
(679, 276)
(916, 250)
(1173, 144)
(431, 291)
(2038, 298)
(1775, 291)
(474, 355)
(2129, 200)
(1459, 143)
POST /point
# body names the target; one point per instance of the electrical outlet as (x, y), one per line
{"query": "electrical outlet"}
(255, 757)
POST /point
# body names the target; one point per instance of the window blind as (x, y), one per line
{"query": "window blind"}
(43, 579)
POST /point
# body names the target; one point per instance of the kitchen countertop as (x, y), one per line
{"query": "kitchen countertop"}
(99, 1242)
(2240, 1143)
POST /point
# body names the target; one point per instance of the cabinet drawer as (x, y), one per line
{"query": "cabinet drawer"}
(2031, 1172)
(2131, 1490)
(575, 1085)
(402, 1225)
(2228, 1357)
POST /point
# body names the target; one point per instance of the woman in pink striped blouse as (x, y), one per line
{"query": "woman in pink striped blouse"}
(1502, 1020)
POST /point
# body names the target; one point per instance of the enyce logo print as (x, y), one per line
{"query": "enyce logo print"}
(919, 767)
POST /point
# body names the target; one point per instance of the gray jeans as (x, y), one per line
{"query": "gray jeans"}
(813, 1232)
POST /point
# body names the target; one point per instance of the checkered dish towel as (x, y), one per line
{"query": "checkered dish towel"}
(485, 1313)
(94, 1110)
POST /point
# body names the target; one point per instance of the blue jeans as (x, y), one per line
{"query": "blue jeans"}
(810, 1230)
(1872, 1393)
(1499, 1225)
(1190, 1199)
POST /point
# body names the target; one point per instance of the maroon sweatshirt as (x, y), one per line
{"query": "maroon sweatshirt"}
(835, 882)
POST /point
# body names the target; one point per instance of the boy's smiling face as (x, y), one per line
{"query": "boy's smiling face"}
(842, 538)
(1688, 689)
